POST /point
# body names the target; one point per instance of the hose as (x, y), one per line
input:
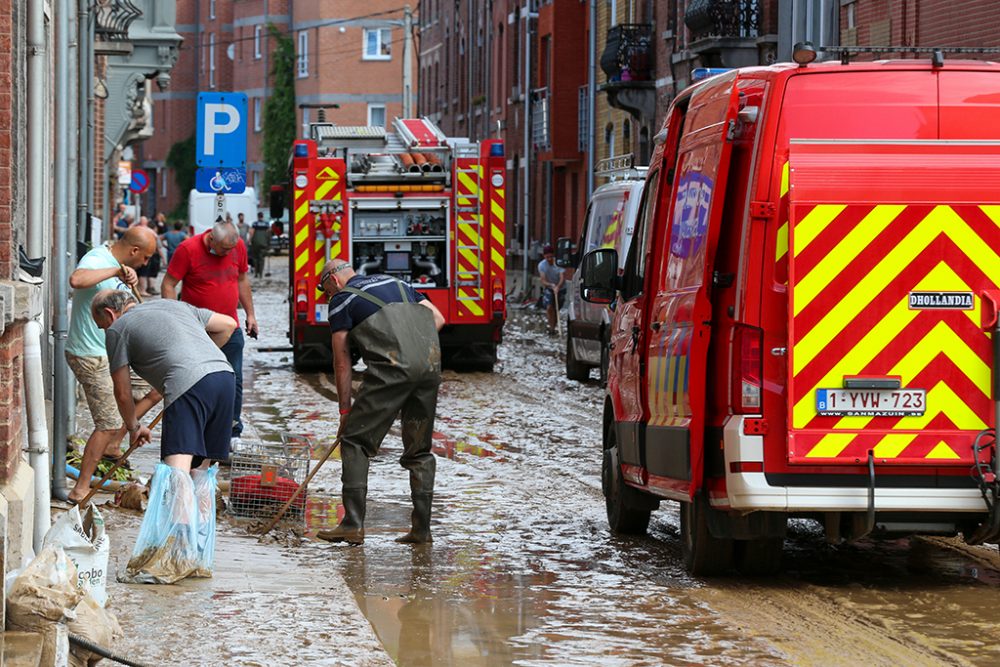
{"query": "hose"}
(101, 651)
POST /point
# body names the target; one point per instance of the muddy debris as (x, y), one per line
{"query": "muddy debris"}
(132, 496)
(165, 564)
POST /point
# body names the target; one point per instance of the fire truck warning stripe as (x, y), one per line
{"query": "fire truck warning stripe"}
(814, 222)
(324, 188)
(835, 261)
(784, 180)
(781, 244)
(873, 343)
(942, 220)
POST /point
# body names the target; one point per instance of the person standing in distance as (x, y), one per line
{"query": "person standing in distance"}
(212, 267)
(396, 331)
(104, 267)
(260, 243)
(553, 283)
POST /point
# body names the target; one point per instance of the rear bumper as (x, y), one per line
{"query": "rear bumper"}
(751, 491)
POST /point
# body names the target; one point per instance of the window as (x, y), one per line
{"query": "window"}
(162, 175)
(378, 44)
(376, 115)
(211, 9)
(211, 60)
(305, 123)
(256, 42)
(303, 60)
(257, 120)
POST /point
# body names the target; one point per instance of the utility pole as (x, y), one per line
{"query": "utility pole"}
(591, 96)
(526, 156)
(407, 62)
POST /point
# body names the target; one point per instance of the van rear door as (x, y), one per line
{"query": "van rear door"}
(681, 311)
(891, 246)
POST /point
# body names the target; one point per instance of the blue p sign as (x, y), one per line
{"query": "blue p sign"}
(221, 136)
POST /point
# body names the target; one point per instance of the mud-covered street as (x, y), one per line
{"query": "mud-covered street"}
(523, 569)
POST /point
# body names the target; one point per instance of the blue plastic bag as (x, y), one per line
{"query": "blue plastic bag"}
(177, 536)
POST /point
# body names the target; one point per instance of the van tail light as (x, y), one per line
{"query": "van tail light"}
(301, 299)
(498, 299)
(747, 370)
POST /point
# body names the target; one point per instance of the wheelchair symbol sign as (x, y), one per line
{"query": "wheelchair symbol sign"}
(220, 180)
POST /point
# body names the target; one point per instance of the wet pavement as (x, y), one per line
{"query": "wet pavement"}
(523, 569)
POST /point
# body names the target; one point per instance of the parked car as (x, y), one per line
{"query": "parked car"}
(609, 224)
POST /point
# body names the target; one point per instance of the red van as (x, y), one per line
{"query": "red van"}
(806, 324)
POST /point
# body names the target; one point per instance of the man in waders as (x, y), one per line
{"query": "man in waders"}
(395, 330)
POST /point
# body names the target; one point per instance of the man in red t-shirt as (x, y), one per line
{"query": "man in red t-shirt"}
(213, 268)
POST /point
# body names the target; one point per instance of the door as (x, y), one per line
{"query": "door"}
(680, 314)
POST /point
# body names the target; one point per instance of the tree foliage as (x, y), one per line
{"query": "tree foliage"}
(279, 111)
(182, 160)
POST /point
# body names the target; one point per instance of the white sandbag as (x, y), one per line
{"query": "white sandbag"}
(85, 541)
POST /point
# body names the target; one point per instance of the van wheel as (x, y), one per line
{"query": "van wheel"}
(622, 516)
(575, 370)
(704, 554)
(759, 557)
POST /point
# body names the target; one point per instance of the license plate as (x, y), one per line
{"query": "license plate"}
(871, 402)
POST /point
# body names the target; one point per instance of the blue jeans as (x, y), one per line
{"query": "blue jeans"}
(233, 349)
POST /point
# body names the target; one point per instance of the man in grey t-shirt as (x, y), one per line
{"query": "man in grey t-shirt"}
(175, 348)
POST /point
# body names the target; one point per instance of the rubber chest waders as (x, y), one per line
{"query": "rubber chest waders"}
(399, 344)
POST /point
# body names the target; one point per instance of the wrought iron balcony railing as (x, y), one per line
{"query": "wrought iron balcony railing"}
(628, 53)
(723, 18)
(540, 129)
(113, 18)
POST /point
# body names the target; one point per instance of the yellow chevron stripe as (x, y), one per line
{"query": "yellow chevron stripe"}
(942, 451)
(833, 264)
(941, 277)
(831, 445)
(943, 399)
(300, 260)
(781, 244)
(323, 188)
(496, 208)
(498, 260)
(465, 181)
(941, 220)
(497, 234)
(784, 180)
(473, 261)
(890, 446)
(815, 221)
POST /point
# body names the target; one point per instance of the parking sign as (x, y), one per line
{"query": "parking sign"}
(221, 135)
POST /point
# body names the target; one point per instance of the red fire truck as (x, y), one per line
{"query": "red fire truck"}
(806, 325)
(408, 202)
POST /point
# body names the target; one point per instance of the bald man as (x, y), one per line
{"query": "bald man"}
(104, 267)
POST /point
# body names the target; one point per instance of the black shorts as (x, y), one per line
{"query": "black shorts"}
(200, 421)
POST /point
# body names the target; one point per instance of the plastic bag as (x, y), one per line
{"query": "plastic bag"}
(85, 542)
(41, 597)
(97, 624)
(177, 536)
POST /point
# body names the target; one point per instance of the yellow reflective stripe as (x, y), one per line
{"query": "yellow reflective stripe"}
(942, 451)
(498, 259)
(831, 445)
(808, 228)
(831, 265)
(890, 446)
(781, 244)
(323, 188)
(784, 179)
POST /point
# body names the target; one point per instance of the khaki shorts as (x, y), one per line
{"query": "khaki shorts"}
(93, 375)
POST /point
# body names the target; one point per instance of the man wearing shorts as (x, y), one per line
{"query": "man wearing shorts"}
(104, 267)
(176, 348)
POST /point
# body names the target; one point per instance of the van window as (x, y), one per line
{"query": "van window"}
(635, 265)
(607, 218)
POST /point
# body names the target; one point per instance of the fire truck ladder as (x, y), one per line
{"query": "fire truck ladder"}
(467, 213)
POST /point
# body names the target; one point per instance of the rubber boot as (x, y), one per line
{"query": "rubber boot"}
(352, 528)
(420, 520)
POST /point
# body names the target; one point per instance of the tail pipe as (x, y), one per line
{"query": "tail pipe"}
(987, 473)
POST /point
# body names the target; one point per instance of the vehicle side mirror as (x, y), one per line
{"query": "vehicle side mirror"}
(564, 253)
(277, 201)
(599, 275)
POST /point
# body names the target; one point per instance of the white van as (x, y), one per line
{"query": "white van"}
(610, 222)
(201, 209)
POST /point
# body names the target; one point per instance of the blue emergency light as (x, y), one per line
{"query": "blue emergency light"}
(301, 150)
(496, 150)
(699, 73)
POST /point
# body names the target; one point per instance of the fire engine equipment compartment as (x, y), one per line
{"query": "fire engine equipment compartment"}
(408, 244)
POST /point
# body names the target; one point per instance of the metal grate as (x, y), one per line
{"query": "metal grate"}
(264, 475)
(113, 18)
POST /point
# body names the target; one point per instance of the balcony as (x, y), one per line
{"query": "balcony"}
(724, 33)
(628, 61)
(112, 19)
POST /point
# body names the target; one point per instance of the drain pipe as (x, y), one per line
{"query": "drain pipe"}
(60, 257)
(38, 430)
(37, 119)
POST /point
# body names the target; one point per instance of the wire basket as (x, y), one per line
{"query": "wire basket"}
(264, 475)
